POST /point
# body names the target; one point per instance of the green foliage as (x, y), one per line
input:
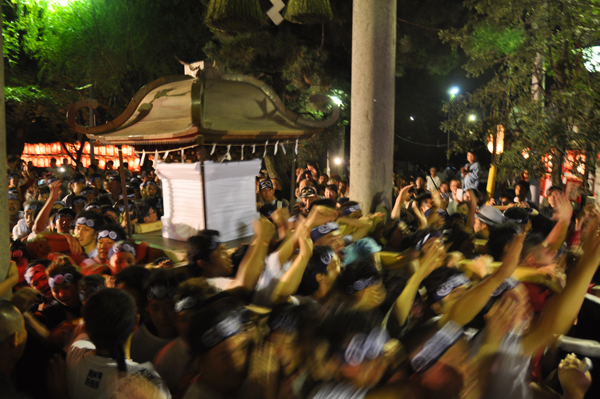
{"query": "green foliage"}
(308, 11)
(234, 15)
(512, 41)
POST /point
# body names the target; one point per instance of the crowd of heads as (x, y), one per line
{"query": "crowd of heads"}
(448, 294)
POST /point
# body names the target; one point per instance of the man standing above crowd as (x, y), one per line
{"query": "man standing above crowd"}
(471, 173)
(433, 181)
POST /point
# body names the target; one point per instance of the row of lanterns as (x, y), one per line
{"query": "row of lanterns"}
(41, 154)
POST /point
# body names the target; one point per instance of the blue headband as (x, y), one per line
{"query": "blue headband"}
(32, 207)
(351, 209)
(362, 284)
(13, 197)
(87, 222)
(265, 184)
(113, 235)
(321, 231)
(423, 241)
(448, 286)
(231, 326)
(79, 201)
(363, 346)
(121, 247)
(436, 346)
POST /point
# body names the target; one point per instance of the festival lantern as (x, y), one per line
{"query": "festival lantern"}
(308, 11)
(37, 149)
(499, 141)
(234, 15)
(86, 148)
(101, 150)
(110, 150)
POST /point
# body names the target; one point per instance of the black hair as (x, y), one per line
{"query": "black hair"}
(541, 224)
(355, 271)
(196, 287)
(338, 328)
(517, 213)
(105, 199)
(134, 278)
(436, 278)
(267, 209)
(308, 284)
(291, 318)
(332, 187)
(552, 189)
(110, 317)
(347, 205)
(95, 216)
(499, 238)
(457, 237)
(217, 309)
(167, 278)
(198, 245)
(116, 228)
(422, 198)
(532, 240)
(523, 184)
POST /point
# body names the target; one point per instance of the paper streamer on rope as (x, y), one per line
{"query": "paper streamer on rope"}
(166, 155)
(265, 153)
(155, 159)
(242, 152)
(143, 157)
(228, 155)
(275, 12)
(213, 149)
(283, 148)
(253, 148)
(276, 145)
(296, 149)
(182, 156)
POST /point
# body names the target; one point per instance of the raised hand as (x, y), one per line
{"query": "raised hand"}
(573, 377)
(511, 259)
(563, 210)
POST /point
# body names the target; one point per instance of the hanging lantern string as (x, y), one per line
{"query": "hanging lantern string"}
(214, 145)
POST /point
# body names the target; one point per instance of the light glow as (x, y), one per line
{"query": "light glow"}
(337, 161)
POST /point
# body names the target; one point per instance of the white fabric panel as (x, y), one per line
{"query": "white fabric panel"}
(182, 199)
(231, 197)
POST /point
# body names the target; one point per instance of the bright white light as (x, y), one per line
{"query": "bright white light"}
(454, 91)
(412, 118)
(62, 169)
(336, 100)
(337, 161)
(591, 55)
(472, 117)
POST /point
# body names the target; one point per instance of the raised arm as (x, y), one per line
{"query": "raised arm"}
(11, 279)
(562, 215)
(290, 281)
(432, 259)
(558, 317)
(402, 196)
(472, 301)
(253, 263)
(41, 221)
(362, 226)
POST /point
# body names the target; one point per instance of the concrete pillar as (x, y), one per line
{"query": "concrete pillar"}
(373, 86)
(4, 238)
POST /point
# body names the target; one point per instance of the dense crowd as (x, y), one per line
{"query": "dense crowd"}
(445, 295)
